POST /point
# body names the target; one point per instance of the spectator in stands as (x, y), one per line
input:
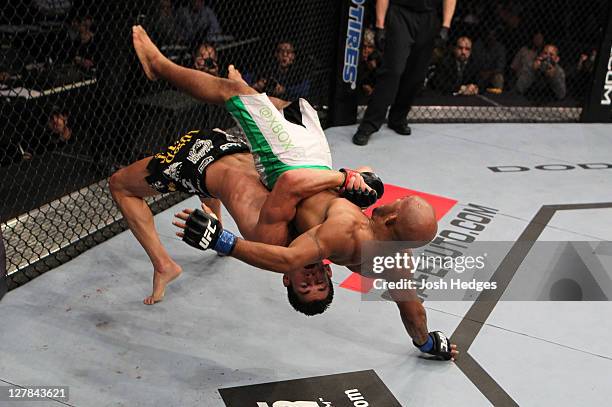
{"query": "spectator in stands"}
(469, 18)
(73, 29)
(88, 21)
(490, 58)
(582, 75)
(544, 80)
(457, 74)
(85, 47)
(509, 12)
(586, 61)
(512, 20)
(369, 62)
(164, 24)
(527, 54)
(285, 80)
(198, 23)
(58, 134)
(58, 125)
(205, 59)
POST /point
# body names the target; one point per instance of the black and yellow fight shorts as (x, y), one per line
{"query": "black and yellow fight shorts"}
(182, 166)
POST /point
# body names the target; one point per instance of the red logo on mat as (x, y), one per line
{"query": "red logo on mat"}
(440, 204)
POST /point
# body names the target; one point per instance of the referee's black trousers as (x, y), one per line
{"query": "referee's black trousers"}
(409, 44)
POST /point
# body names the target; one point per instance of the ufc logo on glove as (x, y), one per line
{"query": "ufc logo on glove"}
(207, 236)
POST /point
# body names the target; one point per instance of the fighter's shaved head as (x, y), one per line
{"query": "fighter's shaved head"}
(416, 220)
(410, 219)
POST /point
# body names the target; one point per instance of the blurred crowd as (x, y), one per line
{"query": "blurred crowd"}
(195, 25)
(520, 49)
(55, 43)
(48, 45)
(71, 43)
(507, 47)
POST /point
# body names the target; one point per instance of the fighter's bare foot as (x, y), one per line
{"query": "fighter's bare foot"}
(234, 74)
(162, 276)
(147, 52)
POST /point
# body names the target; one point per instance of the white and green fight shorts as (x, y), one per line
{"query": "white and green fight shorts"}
(281, 141)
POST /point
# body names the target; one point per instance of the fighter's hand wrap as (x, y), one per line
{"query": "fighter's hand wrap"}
(348, 176)
(362, 199)
(203, 232)
(374, 182)
(437, 344)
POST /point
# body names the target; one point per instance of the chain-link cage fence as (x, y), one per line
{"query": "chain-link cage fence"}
(505, 60)
(75, 105)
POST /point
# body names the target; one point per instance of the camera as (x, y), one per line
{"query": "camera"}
(374, 56)
(547, 63)
(271, 84)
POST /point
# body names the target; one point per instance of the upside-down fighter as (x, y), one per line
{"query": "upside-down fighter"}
(214, 163)
(407, 219)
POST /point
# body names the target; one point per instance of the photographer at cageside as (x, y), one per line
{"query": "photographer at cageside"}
(544, 80)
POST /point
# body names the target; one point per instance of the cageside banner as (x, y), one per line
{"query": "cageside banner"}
(343, 110)
(598, 106)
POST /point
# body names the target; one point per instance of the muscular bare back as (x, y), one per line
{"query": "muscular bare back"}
(339, 224)
(234, 180)
(342, 225)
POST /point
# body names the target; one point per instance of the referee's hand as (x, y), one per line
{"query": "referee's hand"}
(379, 39)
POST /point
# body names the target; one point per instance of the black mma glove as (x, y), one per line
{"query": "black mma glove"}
(442, 39)
(379, 39)
(362, 199)
(374, 182)
(203, 232)
(437, 345)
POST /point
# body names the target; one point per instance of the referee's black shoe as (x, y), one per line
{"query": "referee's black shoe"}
(362, 137)
(400, 128)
